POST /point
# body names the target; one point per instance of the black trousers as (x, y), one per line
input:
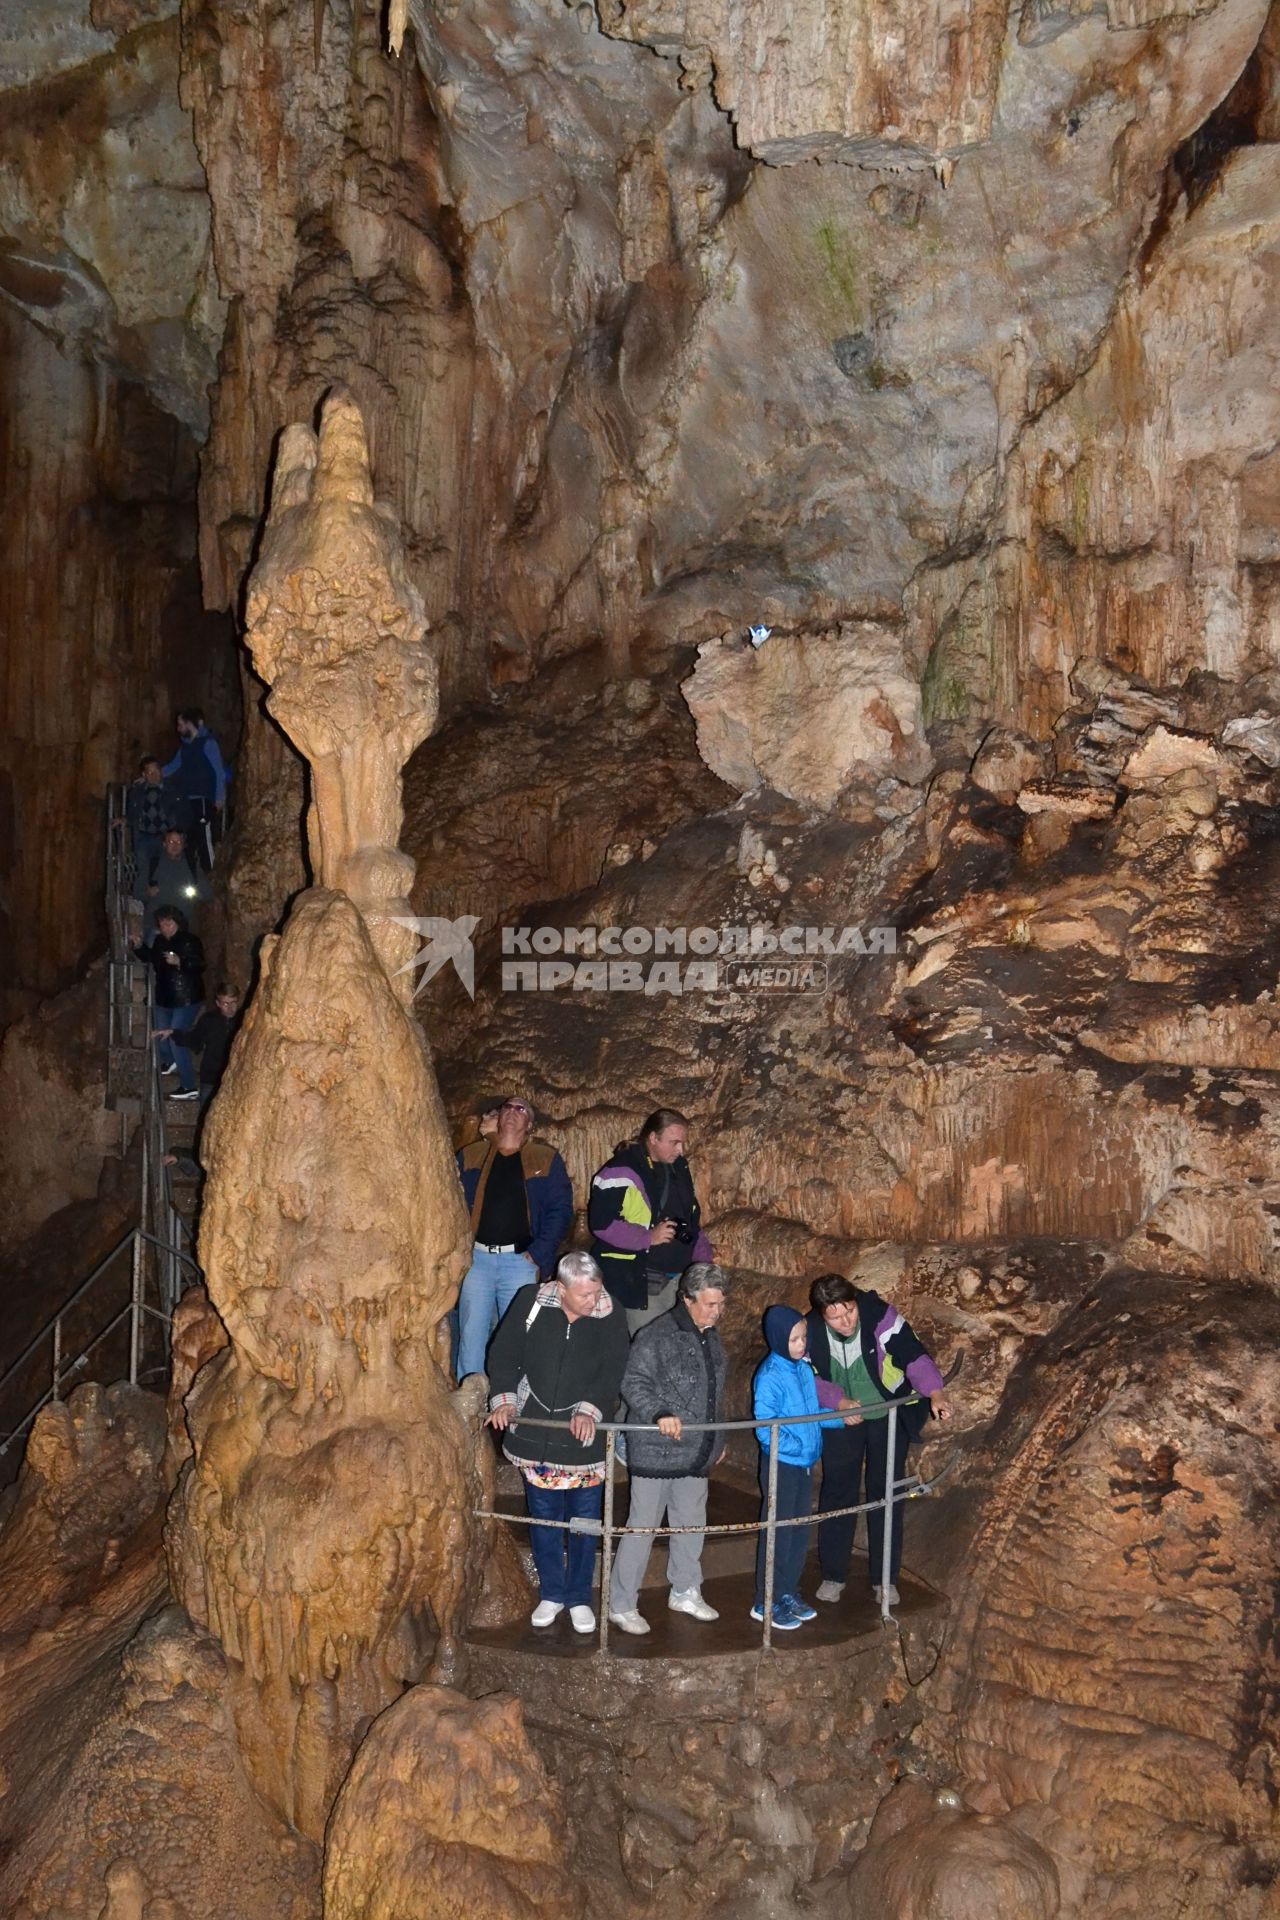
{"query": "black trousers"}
(202, 824)
(850, 1455)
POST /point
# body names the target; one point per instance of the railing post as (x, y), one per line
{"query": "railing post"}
(56, 1383)
(135, 1312)
(606, 1549)
(890, 1488)
(148, 1110)
(770, 1534)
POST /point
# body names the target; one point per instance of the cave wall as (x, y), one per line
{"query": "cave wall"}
(100, 595)
(639, 365)
(107, 324)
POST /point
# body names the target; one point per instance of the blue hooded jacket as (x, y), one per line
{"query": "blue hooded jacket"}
(785, 1386)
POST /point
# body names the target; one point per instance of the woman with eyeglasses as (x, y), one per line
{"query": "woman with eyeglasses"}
(518, 1195)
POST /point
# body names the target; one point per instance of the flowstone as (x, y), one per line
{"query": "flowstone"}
(321, 1532)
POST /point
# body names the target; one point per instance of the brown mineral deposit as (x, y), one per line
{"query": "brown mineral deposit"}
(335, 626)
(932, 1858)
(447, 1810)
(322, 1531)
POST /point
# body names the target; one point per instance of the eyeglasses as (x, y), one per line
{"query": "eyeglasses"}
(514, 1106)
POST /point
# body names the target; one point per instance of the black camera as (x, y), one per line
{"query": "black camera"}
(684, 1232)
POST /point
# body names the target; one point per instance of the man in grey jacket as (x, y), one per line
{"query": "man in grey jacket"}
(175, 877)
(675, 1375)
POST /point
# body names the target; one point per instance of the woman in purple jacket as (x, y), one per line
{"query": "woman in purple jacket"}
(863, 1346)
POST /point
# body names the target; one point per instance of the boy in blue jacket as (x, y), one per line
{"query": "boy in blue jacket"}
(785, 1383)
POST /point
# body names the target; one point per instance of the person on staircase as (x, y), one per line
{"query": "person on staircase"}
(175, 876)
(675, 1374)
(520, 1201)
(197, 777)
(178, 960)
(211, 1038)
(643, 1213)
(149, 814)
(559, 1355)
(863, 1346)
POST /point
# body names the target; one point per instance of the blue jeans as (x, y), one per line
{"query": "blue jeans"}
(181, 1019)
(147, 848)
(791, 1548)
(565, 1561)
(492, 1283)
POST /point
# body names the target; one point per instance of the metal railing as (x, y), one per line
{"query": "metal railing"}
(119, 882)
(171, 1233)
(897, 1492)
(159, 1249)
(136, 1310)
(130, 1025)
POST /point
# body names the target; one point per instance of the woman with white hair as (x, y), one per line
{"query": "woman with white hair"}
(559, 1354)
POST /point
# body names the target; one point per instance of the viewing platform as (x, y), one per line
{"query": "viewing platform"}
(851, 1623)
(697, 1729)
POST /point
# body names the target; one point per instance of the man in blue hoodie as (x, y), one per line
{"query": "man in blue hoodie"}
(197, 778)
(785, 1384)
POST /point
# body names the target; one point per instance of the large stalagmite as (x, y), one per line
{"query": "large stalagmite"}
(321, 1531)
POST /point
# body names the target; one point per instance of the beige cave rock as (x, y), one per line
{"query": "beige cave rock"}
(809, 714)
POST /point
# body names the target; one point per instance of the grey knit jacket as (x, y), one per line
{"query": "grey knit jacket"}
(673, 1368)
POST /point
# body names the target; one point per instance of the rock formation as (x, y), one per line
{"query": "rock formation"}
(332, 1238)
(1108, 1681)
(335, 628)
(930, 1855)
(834, 80)
(1054, 1121)
(152, 1813)
(447, 1809)
(750, 707)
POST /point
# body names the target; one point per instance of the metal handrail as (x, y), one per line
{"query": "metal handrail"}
(177, 1252)
(733, 1426)
(135, 1309)
(66, 1307)
(897, 1491)
(160, 1226)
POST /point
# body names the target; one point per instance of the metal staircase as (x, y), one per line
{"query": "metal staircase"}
(115, 1324)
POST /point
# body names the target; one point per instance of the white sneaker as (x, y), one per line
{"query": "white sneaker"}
(886, 1593)
(545, 1612)
(830, 1591)
(691, 1602)
(583, 1618)
(632, 1622)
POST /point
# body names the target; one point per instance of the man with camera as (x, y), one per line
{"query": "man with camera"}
(645, 1219)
